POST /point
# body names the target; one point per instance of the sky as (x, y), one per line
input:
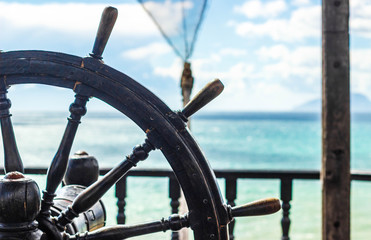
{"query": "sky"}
(266, 52)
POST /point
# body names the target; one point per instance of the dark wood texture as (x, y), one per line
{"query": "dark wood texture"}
(90, 220)
(19, 202)
(58, 165)
(165, 129)
(174, 222)
(82, 170)
(286, 197)
(231, 195)
(120, 192)
(253, 174)
(105, 28)
(335, 173)
(19, 205)
(186, 83)
(12, 159)
(207, 94)
(285, 176)
(91, 195)
(256, 208)
(174, 195)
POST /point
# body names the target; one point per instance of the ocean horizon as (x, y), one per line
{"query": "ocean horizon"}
(244, 140)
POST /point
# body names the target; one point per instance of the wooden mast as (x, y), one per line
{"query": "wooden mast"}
(335, 174)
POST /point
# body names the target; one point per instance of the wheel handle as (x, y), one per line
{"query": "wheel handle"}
(106, 24)
(203, 97)
(256, 208)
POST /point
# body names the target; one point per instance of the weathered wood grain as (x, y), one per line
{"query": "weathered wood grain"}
(335, 173)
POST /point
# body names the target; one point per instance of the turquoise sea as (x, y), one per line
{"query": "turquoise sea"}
(229, 141)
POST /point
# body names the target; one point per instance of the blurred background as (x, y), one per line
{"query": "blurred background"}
(268, 55)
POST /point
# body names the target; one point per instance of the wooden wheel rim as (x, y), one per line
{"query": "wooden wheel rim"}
(164, 128)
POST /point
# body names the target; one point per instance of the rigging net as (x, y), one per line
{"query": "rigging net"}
(179, 22)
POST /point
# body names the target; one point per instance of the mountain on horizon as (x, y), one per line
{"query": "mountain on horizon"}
(358, 103)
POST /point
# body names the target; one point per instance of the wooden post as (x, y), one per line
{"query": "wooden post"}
(186, 84)
(335, 174)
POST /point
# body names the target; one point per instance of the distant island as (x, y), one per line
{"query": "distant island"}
(358, 103)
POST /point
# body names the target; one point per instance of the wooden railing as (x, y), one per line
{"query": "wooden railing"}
(286, 178)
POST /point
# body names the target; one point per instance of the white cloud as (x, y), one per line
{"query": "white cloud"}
(273, 97)
(244, 91)
(361, 82)
(174, 71)
(151, 50)
(303, 23)
(256, 8)
(75, 18)
(360, 59)
(361, 71)
(360, 18)
(235, 52)
(247, 86)
(235, 77)
(300, 64)
(163, 11)
(203, 68)
(300, 2)
(275, 52)
(360, 8)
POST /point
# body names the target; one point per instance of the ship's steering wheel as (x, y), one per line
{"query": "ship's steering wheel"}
(165, 129)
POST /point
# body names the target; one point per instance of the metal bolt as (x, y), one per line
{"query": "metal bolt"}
(337, 3)
(337, 64)
(337, 224)
(205, 201)
(212, 236)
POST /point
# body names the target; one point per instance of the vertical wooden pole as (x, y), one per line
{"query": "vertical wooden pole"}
(186, 84)
(335, 174)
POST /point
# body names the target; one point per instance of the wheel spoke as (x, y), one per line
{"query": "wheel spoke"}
(12, 159)
(58, 166)
(175, 222)
(94, 192)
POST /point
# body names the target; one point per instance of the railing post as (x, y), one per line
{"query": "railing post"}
(231, 195)
(286, 197)
(174, 195)
(121, 195)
